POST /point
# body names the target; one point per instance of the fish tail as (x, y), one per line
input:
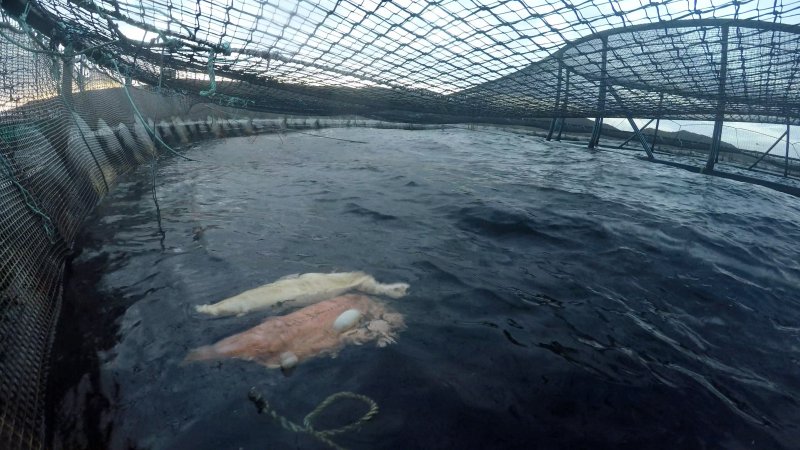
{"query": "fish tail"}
(394, 290)
(211, 310)
(203, 353)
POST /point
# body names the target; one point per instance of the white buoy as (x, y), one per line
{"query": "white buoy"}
(164, 131)
(144, 138)
(130, 144)
(215, 126)
(204, 129)
(259, 125)
(346, 320)
(228, 125)
(83, 149)
(112, 145)
(247, 126)
(181, 130)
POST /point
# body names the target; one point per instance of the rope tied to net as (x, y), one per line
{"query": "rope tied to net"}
(141, 118)
(30, 200)
(212, 89)
(223, 99)
(308, 426)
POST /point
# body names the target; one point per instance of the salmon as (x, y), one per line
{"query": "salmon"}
(301, 290)
(284, 341)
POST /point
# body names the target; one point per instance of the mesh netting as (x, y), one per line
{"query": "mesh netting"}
(90, 90)
(498, 59)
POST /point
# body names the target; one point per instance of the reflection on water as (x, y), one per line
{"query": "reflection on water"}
(559, 298)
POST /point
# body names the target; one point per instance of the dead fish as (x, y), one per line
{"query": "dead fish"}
(302, 290)
(320, 329)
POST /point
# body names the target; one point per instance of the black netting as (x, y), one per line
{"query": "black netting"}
(496, 59)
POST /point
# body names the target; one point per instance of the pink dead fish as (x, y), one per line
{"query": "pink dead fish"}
(320, 329)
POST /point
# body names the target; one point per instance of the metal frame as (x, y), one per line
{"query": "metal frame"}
(601, 101)
(558, 100)
(658, 120)
(774, 144)
(788, 140)
(563, 106)
(634, 134)
(716, 136)
(636, 131)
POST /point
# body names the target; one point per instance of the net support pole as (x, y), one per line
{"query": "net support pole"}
(658, 119)
(66, 80)
(774, 144)
(655, 133)
(632, 123)
(630, 138)
(601, 101)
(788, 139)
(563, 106)
(716, 137)
(79, 76)
(641, 138)
(556, 106)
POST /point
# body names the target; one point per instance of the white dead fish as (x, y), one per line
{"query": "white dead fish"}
(302, 290)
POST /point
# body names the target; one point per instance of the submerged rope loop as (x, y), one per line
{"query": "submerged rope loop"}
(308, 426)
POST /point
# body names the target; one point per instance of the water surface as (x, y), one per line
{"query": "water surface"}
(560, 298)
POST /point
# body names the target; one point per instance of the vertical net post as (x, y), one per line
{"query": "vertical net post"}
(558, 100)
(786, 165)
(601, 101)
(658, 119)
(563, 106)
(716, 137)
(66, 81)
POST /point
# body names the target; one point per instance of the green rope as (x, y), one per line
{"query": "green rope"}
(29, 200)
(212, 90)
(308, 426)
(223, 99)
(142, 119)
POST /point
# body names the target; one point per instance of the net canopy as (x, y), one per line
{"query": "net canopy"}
(506, 58)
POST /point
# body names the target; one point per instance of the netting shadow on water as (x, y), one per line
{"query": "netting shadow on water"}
(92, 89)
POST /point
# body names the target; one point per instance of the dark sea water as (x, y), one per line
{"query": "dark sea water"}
(559, 298)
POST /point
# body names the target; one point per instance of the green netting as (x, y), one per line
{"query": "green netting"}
(91, 89)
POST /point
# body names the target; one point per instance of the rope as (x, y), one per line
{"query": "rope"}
(154, 170)
(142, 119)
(331, 138)
(308, 426)
(30, 201)
(211, 93)
(212, 89)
